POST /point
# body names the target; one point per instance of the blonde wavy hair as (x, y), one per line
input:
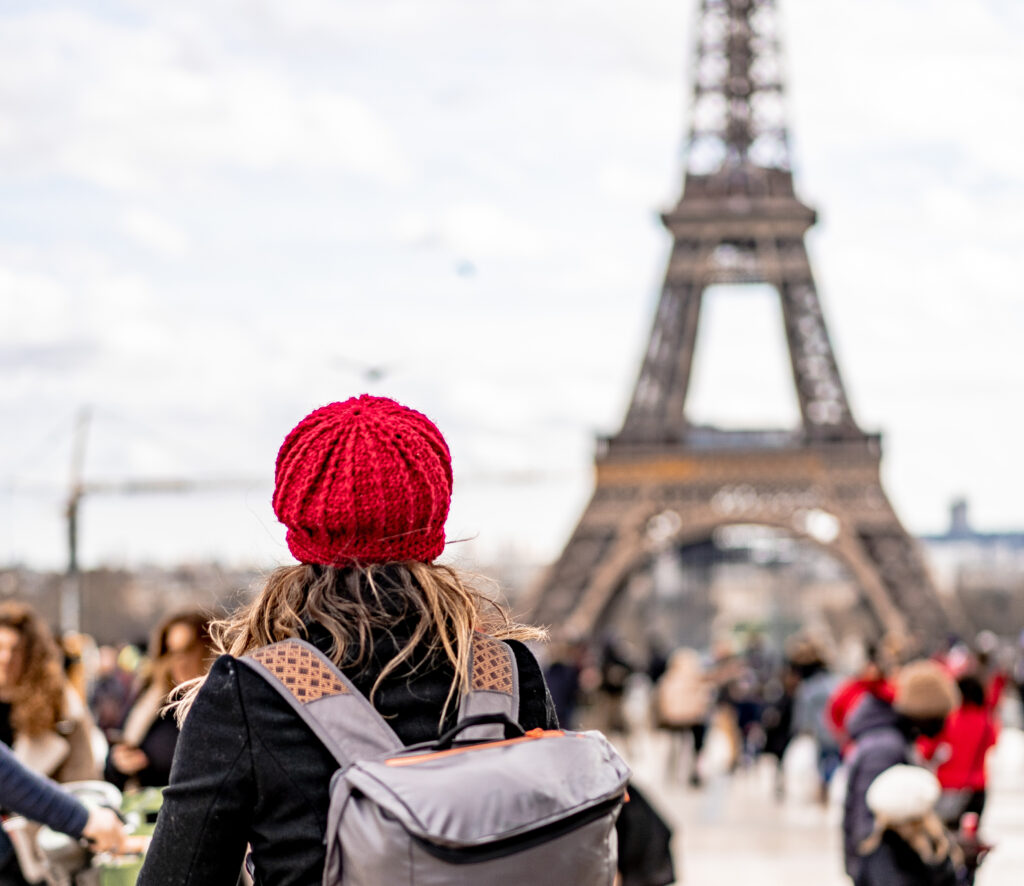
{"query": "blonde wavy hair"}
(353, 603)
(925, 835)
(35, 684)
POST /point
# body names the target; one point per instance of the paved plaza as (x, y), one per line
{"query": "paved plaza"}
(733, 831)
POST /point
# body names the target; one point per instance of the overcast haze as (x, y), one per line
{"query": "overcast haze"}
(216, 216)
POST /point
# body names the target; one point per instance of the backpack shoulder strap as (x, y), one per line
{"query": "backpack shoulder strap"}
(493, 686)
(327, 701)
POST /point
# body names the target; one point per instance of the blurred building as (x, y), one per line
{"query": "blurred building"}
(120, 605)
(985, 570)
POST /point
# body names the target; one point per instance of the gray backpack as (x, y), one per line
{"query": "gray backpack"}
(486, 804)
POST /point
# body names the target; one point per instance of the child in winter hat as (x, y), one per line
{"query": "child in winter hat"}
(908, 843)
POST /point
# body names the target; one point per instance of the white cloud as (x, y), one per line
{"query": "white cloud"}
(643, 187)
(155, 232)
(68, 297)
(472, 231)
(36, 308)
(486, 231)
(127, 107)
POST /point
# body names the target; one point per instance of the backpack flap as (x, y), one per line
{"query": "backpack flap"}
(479, 797)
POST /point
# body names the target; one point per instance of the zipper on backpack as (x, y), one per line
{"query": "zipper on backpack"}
(531, 735)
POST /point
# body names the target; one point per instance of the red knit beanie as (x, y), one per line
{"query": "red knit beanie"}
(364, 481)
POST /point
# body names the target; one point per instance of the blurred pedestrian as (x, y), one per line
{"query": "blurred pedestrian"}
(683, 705)
(871, 679)
(883, 736)
(810, 701)
(726, 671)
(110, 694)
(562, 675)
(777, 721)
(42, 719)
(615, 669)
(741, 701)
(762, 664)
(1018, 672)
(75, 648)
(988, 668)
(180, 651)
(960, 751)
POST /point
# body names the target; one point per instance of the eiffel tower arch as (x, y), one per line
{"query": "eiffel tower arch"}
(662, 478)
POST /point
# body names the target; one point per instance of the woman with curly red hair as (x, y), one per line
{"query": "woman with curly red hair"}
(42, 718)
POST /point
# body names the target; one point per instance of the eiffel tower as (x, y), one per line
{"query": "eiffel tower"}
(739, 221)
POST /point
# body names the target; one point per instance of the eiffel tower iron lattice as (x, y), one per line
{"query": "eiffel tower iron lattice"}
(738, 221)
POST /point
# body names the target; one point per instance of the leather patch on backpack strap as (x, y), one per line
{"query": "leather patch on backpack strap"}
(492, 665)
(303, 674)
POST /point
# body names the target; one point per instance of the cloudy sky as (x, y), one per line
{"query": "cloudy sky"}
(216, 215)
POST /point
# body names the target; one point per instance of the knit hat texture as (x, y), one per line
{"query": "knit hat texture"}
(925, 691)
(363, 481)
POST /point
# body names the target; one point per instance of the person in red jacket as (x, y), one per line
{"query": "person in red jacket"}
(871, 680)
(960, 750)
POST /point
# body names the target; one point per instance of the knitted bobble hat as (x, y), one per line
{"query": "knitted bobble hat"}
(925, 690)
(363, 481)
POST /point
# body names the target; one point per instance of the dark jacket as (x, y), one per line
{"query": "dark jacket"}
(880, 741)
(894, 863)
(158, 746)
(249, 770)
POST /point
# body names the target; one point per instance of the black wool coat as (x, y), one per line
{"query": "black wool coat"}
(895, 863)
(158, 746)
(248, 770)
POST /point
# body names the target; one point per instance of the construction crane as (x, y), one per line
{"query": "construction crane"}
(71, 590)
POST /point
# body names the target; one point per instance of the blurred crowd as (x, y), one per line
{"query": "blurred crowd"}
(74, 711)
(837, 729)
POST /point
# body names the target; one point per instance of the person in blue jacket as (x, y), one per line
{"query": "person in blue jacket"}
(39, 799)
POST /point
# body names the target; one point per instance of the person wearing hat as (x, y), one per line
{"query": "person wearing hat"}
(363, 488)
(883, 734)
